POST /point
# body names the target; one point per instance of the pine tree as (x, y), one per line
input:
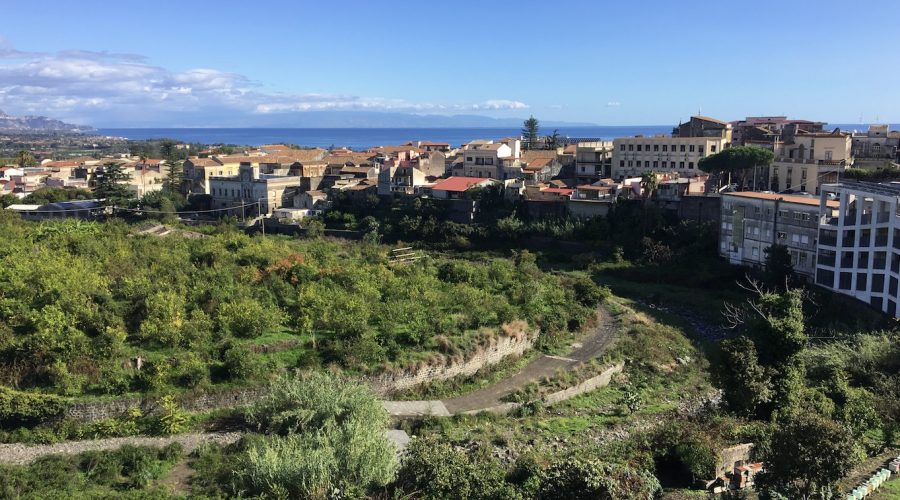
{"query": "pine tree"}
(174, 175)
(530, 131)
(112, 185)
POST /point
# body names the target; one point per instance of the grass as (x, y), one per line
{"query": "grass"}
(888, 491)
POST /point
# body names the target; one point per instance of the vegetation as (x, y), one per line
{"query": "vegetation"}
(128, 472)
(737, 163)
(530, 132)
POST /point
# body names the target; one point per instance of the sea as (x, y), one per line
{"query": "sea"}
(363, 138)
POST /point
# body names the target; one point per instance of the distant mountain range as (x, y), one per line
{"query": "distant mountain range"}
(37, 124)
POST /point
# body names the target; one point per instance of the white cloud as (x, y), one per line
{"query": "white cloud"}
(613, 104)
(78, 83)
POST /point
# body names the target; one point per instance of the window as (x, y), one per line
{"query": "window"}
(690, 164)
(700, 149)
(638, 147)
(655, 164)
(647, 164)
(621, 163)
(621, 147)
(656, 147)
(781, 235)
(681, 164)
(469, 159)
(861, 281)
(630, 163)
(755, 251)
(682, 148)
(665, 147)
(828, 155)
(664, 166)
(691, 148)
(631, 147)
(804, 239)
(712, 148)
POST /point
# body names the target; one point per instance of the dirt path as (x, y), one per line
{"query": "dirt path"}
(591, 346)
(17, 453)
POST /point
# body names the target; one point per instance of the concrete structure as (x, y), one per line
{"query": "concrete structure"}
(495, 160)
(251, 187)
(752, 222)
(593, 160)
(810, 160)
(456, 187)
(859, 242)
(634, 156)
(879, 142)
(771, 131)
(704, 126)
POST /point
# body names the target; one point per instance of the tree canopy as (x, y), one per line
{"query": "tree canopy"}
(530, 131)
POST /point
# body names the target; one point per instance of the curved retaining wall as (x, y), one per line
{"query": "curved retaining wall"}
(384, 384)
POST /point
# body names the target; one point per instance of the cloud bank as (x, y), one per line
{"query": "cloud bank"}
(124, 89)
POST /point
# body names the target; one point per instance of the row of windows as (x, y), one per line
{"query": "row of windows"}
(665, 147)
(656, 164)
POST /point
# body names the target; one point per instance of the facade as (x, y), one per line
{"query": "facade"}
(877, 143)
(771, 131)
(810, 160)
(634, 156)
(704, 126)
(859, 243)
(593, 160)
(751, 222)
(250, 187)
(488, 159)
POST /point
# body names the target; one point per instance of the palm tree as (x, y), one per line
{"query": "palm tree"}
(25, 159)
(649, 183)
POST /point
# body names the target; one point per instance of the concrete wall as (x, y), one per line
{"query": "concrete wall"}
(588, 385)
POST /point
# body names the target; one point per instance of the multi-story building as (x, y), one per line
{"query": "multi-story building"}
(879, 142)
(593, 160)
(771, 131)
(634, 156)
(266, 191)
(751, 222)
(704, 126)
(859, 242)
(494, 160)
(809, 160)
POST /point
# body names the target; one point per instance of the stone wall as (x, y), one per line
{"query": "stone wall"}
(384, 384)
(495, 352)
(588, 385)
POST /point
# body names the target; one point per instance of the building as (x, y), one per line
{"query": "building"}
(266, 191)
(809, 160)
(704, 126)
(593, 160)
(771, 131)
(488, 159)
(634, 156)
(859, 242)
(457, 187)
(879, 142)
(751, 222)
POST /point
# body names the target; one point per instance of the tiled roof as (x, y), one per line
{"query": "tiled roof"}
(458, 184)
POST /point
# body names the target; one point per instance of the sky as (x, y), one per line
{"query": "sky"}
(637, 62)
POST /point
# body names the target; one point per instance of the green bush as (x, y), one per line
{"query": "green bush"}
(587, 479)
(22, 408)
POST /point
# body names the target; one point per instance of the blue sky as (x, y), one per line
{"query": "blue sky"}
(230, 63)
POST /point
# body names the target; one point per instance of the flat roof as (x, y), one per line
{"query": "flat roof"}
(789, 198)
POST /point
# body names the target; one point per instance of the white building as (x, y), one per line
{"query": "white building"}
(634, 156)
(859, 243)
(752, 222)
(592, 160)
(266, 191)
(495, 160)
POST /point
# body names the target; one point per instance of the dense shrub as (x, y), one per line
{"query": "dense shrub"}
(22, 408)
(586, 479)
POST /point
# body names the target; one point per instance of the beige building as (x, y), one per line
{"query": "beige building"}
(634, 156)
(752, 222)
(266, 191)
(593, 160)
(809, 161)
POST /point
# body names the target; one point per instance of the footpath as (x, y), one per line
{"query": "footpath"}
(489, 398)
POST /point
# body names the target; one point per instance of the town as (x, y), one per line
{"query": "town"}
(814, 192)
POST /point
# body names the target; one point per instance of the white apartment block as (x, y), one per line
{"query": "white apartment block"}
(752, 222)
(592, 160)
(494, 160)
(634, 156)
(809, 161)
(859, 243)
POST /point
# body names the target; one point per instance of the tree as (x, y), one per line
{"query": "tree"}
(649, 184)
(530, 130)
(434, 470)
(583, 479)
(744, 383)
(740, 161)
(112, 185)
(25, 159)
(807, 456)
(779, 271)
(174, 175)
(552, 141)
(326, 436)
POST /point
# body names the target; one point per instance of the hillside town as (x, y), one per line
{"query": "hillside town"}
(802, 198)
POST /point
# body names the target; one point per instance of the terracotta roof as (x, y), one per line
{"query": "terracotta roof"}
(240, 159)
(534, 154)
(561, 191)
(458, 184)
(591, 187)
(789, 198)
(62, 163)
(538, 162)
(204, 162)
(708, 119)
(429, 143)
